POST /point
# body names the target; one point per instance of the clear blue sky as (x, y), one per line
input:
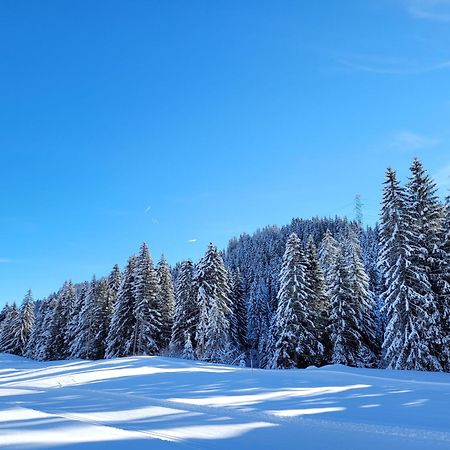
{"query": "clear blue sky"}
(175, 121)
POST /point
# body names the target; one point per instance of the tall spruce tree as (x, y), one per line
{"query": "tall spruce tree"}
(295, 340)
(238, 320)
(7, 332)
(444, 288)
(406, 293)
(363, 300)
(148, 318)
(186, 309)
(23, 325)
(259, 319)
(166, 301)
(213, 329)
(113, 282)
(120, 339)
(426, 215)
(320, 303)
(345, 322)
(85, 344)
(328, 251)
(64, 309)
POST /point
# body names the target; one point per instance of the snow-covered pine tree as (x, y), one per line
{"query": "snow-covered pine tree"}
(258, 325)
(121, 331)
(320, 303)
(328, 251)
(213, 329)
(90, 320)
(64, 308)
(238, 319)
(166, 301)
(445, 288)
(35, 331)
(345, 324)
(406, 294)
(203, 318)
(72, 324)
(3, 314)
(363, 300)
(427, 221)
(188, 350)
(294, 333)
(49, 346)
(148, 318)
(101, 315)
(23, 325)
(186, 310)
(113, 282)
(7, 332)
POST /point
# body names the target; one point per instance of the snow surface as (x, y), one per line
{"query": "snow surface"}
(165, 403)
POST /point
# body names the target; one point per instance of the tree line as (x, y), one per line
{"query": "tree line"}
(315, 292)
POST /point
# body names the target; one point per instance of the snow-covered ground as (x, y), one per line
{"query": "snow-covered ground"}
(164, 403)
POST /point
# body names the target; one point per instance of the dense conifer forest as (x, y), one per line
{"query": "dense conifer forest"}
(314, 292)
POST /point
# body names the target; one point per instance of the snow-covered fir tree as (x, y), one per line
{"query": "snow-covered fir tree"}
(113, 282)
(213, 329)
(148, 327)
(296, 343)
(345, 324)
(7, 331)
(23, 325)
(102, 317)
(186, 310)
(120, 340)
(407, 344)
(444, 298)
(85, 344)
(64, 308)
(258, 323)
(238, 319)
(363, 300)
(320, 304)
(426, 215)
(188, 350)
(328, 251)
(37, 341)
(166, 301)
(50, 343)
(72, 323)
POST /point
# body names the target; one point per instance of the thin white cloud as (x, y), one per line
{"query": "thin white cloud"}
(390, 66)
(408, 140)
(5, 261)
(435, 10)
(147, 210)
(192, 241)
(155, 221)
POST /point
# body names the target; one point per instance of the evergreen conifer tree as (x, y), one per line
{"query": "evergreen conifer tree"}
(120, 339)
(406, 294)
(294, 334)
(186, 310)
(148, 317)
(166, 301)
(23, 325)
(238, 321)
(213, 329)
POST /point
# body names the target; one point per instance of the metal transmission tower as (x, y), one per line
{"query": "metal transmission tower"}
(358, 210)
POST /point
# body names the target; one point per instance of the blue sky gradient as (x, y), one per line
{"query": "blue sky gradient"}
(181, 123)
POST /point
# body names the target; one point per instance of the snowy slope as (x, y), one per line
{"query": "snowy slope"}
(163, 403)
